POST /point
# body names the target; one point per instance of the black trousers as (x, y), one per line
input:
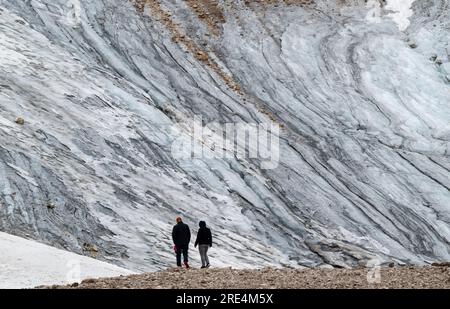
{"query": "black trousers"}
(182, 250)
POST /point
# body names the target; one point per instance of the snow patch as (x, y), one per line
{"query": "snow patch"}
(401, 12)
(26, 264)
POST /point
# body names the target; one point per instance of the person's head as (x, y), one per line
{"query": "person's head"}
(202, 224)
(179, 220)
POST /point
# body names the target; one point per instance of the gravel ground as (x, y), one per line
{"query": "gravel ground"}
(390, 277)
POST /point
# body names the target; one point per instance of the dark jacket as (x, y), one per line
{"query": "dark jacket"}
(181, 235)
(204, 236)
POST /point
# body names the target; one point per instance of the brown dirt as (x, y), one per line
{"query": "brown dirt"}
(210, 12)
(392, 278)
(178, 36)
(278, 2)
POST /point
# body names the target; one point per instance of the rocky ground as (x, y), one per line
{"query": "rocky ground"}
(227, 278)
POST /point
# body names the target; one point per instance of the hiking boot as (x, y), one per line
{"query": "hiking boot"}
(207, 265)
(203, 267)
(187, 265)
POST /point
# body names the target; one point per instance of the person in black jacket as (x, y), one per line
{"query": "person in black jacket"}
(181, 236)
(204, 242)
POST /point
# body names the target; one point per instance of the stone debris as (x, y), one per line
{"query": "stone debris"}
(227, 278)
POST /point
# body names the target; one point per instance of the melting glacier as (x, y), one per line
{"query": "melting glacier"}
(106, 87)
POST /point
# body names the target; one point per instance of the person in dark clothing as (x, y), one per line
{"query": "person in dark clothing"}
(204, 242)
(181, 236)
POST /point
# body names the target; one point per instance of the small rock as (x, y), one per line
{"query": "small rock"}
(90, 280)
(90, 247)
(413, 45)
(51, 206)
(202, 56)
(20, 121)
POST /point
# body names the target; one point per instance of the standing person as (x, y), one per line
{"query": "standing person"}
(181, 236)
(204, 242)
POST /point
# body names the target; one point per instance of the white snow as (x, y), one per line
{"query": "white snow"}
(26, 264)
(401, 12)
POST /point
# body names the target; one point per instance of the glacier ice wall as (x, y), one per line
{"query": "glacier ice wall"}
(106, 87)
